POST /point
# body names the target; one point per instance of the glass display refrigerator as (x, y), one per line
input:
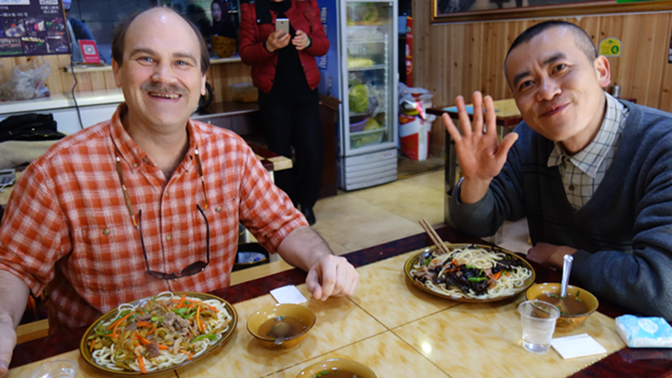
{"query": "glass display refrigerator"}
(367, 55)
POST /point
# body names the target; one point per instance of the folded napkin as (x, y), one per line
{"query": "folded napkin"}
(640, 332)
(288, 294)
(577, 346)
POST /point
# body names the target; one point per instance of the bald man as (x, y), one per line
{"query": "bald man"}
(149, 201)
(591, 173)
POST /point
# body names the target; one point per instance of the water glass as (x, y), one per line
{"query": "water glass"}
(56, 369)
(538, 320)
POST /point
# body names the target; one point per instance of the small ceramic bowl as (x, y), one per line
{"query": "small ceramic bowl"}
(302, 313)
(565, 321)
(334, 365)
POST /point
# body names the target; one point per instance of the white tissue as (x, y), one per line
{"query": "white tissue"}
(644, 332)
(288, 294)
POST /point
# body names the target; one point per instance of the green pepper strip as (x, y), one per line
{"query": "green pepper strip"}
(477, 279)
(206, 336)
(429, 260)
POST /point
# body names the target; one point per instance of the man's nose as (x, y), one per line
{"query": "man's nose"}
(163, 73)
(548, 89)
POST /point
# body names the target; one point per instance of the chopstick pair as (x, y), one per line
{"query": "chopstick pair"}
(434, 236)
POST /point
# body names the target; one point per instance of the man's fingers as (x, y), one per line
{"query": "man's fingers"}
(505, 146)
(490, 117)
(477, 101)
(451, 128)
(328, 280)
(313, 284)
(462, 114)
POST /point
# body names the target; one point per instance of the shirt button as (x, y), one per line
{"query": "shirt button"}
(165, 194)
(135, 165)
(169, 237)
(145, 160)
(571, 187)
(218, 209)
(106, 231)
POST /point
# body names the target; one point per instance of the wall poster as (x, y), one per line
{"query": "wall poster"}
(32, 27)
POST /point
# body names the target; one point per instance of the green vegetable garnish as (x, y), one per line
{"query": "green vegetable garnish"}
(477, 279)
(206, 336)
(429, 259)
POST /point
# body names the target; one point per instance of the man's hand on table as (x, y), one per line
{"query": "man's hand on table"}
(549, 254)
(480, 154)
(7, 344)
(332, 276)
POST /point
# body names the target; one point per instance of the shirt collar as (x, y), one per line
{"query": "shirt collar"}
(134, 155)
(589, 159)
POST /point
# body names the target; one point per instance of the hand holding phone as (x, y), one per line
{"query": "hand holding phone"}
(280, 37)
(282, 25)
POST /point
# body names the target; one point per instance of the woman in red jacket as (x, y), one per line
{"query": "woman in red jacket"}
(286, 74)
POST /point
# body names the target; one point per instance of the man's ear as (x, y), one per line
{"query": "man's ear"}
(602, 71)
(115, 71)
(203, 81)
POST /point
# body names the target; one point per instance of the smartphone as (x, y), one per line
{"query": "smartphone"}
(282, 24)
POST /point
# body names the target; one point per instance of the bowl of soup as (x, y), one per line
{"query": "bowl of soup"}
(574, 308)
(281, 326)
(337, 368)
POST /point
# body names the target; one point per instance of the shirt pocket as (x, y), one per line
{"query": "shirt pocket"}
(223, 219)
(109, 258)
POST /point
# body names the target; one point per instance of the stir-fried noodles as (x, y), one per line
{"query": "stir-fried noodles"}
(161, 332)
(471, 272)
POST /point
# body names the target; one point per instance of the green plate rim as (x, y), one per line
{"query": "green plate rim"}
(414, 258)
(86, 354)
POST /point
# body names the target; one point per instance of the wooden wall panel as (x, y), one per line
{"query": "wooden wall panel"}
(458, 59)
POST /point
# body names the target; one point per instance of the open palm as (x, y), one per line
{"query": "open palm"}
(480, 154)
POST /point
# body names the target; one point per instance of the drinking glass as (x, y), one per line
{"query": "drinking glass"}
(538, 320)
(56, 369)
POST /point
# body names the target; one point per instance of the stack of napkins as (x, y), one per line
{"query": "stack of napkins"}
(577, 346)
(644, 332)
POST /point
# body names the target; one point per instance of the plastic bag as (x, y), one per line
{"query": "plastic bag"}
(27, 81)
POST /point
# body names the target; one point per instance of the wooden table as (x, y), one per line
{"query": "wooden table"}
(507, 117)
(394, 328)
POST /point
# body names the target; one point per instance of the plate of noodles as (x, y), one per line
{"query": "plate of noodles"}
(159, 333)
(470, 273)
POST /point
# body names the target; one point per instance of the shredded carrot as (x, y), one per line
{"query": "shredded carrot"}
(190, 355)
(163, 347)
(198, 320)
(184, 298)
(93, 342)
(496, 276)
(145, 324)
(115, 324)
(143, 341)
(212, 308)
(141, 362)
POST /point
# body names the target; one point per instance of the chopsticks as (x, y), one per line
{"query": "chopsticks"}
(434, 236)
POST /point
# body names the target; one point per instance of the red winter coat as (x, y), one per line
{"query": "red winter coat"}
(302, 15)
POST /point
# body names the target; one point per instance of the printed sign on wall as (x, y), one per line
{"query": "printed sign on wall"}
(32, 27)
(610, 47)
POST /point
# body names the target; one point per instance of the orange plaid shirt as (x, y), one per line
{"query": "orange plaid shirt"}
(67, 224)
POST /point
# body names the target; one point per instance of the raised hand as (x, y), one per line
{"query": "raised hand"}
(480, 154)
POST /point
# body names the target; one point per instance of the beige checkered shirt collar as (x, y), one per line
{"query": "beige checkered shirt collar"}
(589, 159)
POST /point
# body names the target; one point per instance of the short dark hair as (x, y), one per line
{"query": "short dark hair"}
(581, 38)
(120, 35)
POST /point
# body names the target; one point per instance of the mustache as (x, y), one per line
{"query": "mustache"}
(169, 88)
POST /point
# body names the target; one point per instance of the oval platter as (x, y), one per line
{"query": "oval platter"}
(226, 335)
(413, 260)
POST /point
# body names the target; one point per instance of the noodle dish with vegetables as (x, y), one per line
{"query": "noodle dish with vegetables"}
(158, 333)
(472, 272)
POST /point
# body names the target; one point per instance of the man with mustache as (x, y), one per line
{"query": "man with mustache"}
(149, 201)
(592, 174)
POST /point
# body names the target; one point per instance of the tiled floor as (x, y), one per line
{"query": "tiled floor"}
(358, 219)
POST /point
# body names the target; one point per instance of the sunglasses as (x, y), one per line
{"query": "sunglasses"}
(191, 269)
